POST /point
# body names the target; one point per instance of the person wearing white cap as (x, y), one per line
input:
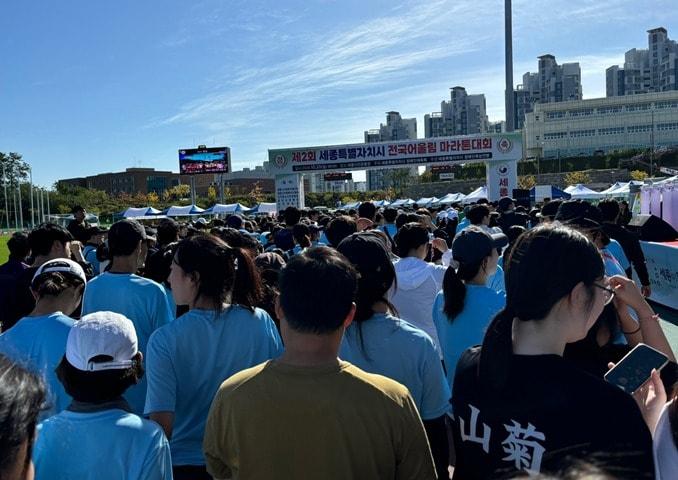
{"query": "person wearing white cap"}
(121, 290)
(39, 339)
(98, 437)
(222, 334)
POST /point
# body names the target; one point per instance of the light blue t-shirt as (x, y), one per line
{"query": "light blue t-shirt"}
(106, 445)
(188, 359)
(389, 228)
(467, 329)
(141, 300)
(462, 225)
(89, 253)
(40, 344)
(615, 248)
(398, 350)
(496, 281)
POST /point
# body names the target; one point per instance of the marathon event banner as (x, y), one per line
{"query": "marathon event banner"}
(427, 151)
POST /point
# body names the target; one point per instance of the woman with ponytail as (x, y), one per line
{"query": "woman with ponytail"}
(518, 405)
(222, 334)
(379, 342)
(465, 306)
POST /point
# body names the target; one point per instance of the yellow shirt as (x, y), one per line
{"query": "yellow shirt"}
(277, 421)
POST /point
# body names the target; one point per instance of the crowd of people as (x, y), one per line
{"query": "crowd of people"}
(361, 344)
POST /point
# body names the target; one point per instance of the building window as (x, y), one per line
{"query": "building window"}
(581, 113)
(639, 128)
(582, 133)
(611, 131)
(637, 108)
(552, 115)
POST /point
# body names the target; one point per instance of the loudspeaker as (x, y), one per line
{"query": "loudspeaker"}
(522, 197)
(652, 228)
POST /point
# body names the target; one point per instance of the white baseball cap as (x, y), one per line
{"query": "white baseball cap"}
(102, 333)
(62, 265)
(452, 213)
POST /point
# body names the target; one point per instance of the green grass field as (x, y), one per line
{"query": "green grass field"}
(4, 253)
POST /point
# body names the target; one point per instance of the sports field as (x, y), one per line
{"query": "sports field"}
(4, 253)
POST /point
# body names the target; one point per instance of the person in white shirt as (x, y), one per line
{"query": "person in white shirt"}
(418, 281)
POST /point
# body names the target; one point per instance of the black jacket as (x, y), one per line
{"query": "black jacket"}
(631, 246)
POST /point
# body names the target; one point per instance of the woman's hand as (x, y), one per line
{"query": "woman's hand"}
(627, 292)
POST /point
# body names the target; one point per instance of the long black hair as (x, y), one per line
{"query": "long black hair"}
(226, 274)
(454, 288)
(545, 264)
(22, 397)
(410, 236)
(377, 274)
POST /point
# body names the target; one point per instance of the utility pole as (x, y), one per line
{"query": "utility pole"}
(30, 171)
(4, 186)
(652, 142)
(508, 51)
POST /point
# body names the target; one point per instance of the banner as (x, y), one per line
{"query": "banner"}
(396, 154)
(289, 191)
(662, 265)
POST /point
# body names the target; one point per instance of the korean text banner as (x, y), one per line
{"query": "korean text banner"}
(425, 151)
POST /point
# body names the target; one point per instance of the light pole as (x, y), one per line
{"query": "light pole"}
(509, 101)
(30, 184)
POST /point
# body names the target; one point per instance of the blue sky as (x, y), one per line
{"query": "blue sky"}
(95, 86)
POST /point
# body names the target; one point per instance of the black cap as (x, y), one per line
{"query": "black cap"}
(127, 228)
(473, 244)
(91, 231)
(77, 209)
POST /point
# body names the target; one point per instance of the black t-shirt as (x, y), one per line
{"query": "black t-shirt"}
(549, 415)
(21, 301)
(78, 230)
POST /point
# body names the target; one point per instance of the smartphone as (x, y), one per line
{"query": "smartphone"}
(632, 371)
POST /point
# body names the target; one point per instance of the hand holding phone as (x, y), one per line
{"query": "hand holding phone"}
(632, 371)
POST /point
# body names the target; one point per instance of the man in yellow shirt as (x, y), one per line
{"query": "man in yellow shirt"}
(308, 414)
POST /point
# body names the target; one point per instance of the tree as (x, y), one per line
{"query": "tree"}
(573, 178)
(426, 177)
(14, 168)
(638, 175)
(180, 191)
(527, 181)
(256, 195)
(153, 198)
(211, 194)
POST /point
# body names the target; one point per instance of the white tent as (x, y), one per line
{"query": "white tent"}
(475, 195)
(134, 212)
(426, 201)
(184, 211)
(350, 206)
(402, 202)
(580, 192)
(673, 179)
(381, 203)
(450, 198)
(268, 208)
(226, 208)
(614, 188)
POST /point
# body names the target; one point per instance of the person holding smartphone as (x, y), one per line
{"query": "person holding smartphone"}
(518, 405)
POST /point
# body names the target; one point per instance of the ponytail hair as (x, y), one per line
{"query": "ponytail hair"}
(226, 274)
(54, 283)
(545, 264)
(454, 288)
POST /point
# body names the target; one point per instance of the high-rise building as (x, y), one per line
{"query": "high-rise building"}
(552, 83)
(396, 128)
(463, 114)
(654, 69)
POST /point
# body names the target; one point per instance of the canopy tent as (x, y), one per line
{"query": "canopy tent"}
(449, 199)
(135, 212)
(673, 179)
(183, 211)
(614, 188)
(425, 201)
(580, 192)
(381, 203)
(226, 208)
(267, 208)
(477, 194)
(539, 192)
(350, 206)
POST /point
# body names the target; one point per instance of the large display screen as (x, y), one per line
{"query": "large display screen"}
(193, 161)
